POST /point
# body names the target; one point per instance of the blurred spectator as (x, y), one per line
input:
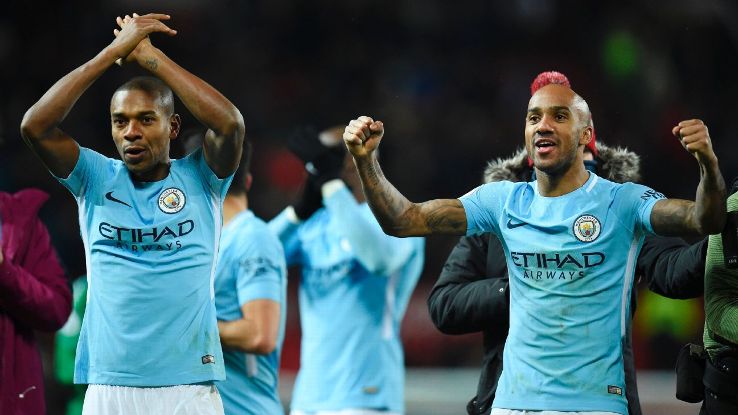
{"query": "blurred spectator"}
(65, 348)
(34, 295)
(721, 317)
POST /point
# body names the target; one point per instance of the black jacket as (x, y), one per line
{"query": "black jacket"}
(471, 294)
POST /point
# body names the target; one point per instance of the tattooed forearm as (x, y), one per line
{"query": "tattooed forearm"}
(706, 215)
(709, 210)
(386, 202)
(400, 217)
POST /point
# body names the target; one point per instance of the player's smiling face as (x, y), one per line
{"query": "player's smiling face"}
(142, 128)
(555, 129)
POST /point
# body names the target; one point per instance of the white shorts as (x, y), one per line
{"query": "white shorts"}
(344, 412)
(500, 411)
(167, 400)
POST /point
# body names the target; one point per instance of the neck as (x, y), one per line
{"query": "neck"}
(233, 205)
(160, 172)
(552, 185)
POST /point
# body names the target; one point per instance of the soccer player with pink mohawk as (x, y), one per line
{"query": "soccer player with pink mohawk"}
(570, 238)
(471, 294)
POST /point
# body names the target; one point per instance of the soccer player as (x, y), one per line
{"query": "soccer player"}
(570, 238)
(471, 294)
(354, 289)
(150, 225)
(250, 299)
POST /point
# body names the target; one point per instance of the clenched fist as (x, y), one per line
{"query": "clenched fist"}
(695, 138)
(362, 136)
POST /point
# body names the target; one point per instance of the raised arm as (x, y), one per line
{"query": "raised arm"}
(224, 139)
(395, 213)
(706, 215)
(40, 125)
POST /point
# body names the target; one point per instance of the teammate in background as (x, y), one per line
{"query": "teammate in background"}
(571, 239)
(721, 316)
(471, 294)
(354, 289)
(250, 300)
(151, 226)
(34, 295)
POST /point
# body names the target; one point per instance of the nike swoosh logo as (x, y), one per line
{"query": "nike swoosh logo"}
(511, 225)
(109, 196)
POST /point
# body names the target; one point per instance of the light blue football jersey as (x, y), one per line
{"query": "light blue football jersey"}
(571, 261)
(151, 250)
(251, 266)
(355, 285)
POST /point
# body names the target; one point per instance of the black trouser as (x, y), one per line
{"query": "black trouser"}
(721, 387)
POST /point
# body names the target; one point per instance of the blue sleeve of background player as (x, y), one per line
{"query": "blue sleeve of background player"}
(285, 228)
(261, 269)
(376, 251)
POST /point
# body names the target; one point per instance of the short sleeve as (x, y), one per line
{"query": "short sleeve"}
(217, 185)
(483, 206)
(640, 200)
(90, 164)
(261, 272)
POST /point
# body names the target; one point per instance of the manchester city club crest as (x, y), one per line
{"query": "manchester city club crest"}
(587, 228)
(171, 200)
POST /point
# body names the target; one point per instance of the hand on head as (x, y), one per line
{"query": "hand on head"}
(695, 138)
(132, 37)
(362, 136)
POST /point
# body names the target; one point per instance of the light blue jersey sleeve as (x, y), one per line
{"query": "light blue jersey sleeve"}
(260, 272)
(376, 251)
(636, 199)
(285, 228)
(219, 187)
(483, 206)
(90, 165)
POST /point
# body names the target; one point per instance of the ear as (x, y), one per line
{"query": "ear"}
(175, 123)
(249, 180)
(586, 136)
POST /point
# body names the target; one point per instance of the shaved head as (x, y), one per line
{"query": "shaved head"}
(577, 104)
(154, 87)
(582, 108)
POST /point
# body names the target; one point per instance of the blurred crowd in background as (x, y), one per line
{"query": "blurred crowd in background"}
(449, 79)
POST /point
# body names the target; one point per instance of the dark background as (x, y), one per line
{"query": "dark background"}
(450, 79)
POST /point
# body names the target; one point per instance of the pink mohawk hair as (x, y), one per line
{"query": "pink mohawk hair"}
(558, 78)
(548, 78)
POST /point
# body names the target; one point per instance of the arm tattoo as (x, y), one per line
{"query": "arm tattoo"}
(152, 64)
(672, 217)
(400, 217)
(444, 217)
